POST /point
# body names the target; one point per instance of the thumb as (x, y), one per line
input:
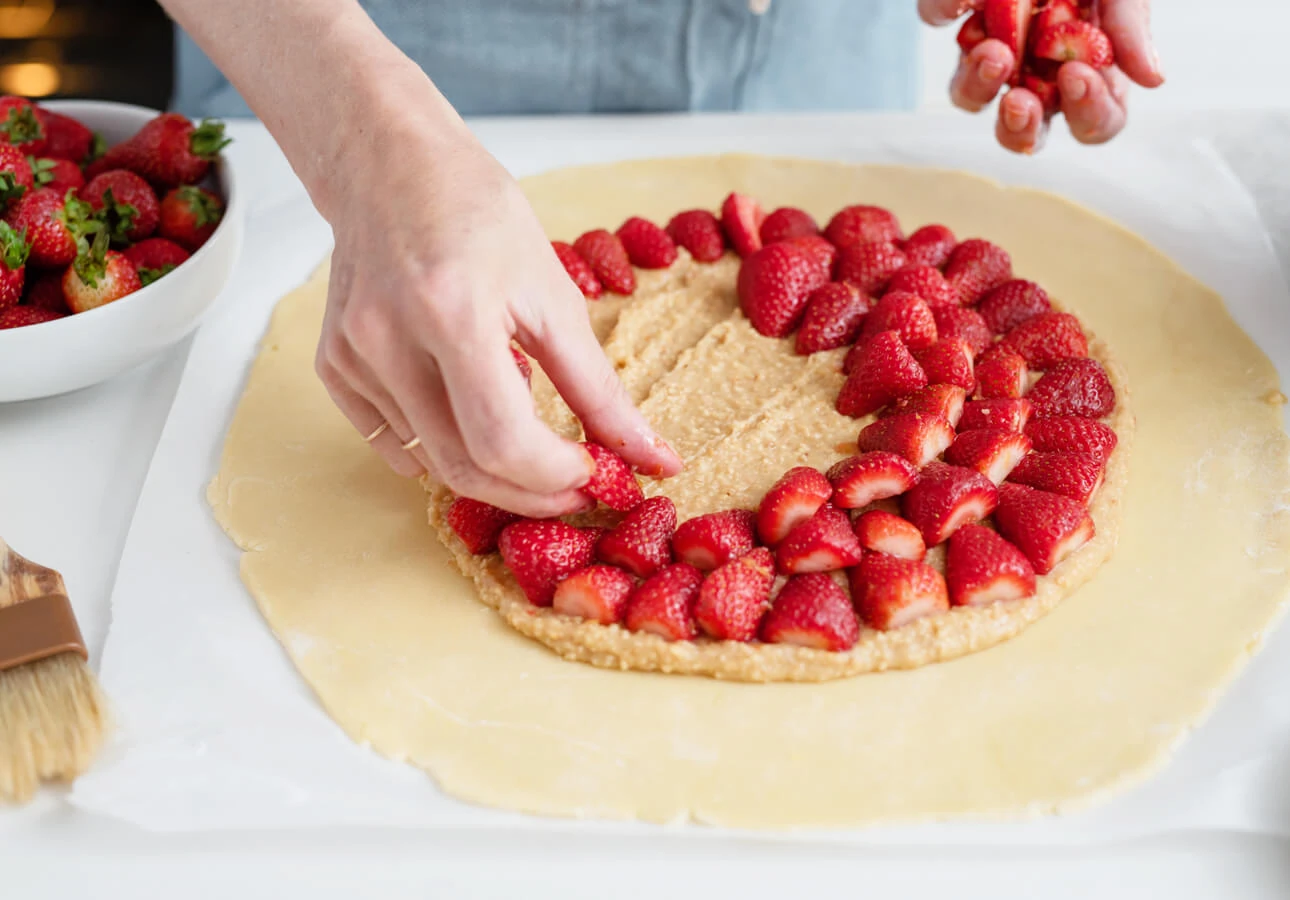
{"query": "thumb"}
(1128, 24)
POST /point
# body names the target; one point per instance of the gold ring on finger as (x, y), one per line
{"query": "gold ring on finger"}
(412, 444)
(377, 431)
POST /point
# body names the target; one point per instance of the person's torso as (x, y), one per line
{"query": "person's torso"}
(584, 56)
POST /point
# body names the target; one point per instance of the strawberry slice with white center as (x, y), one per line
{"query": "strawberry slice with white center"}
(948, 362)
(946, 498)
(890, 592)
(975, 267)
(881, 370)
(925, 281)
(774, 285)
(812, 611)
(963, 323)
(1008, 413)
(834, 314)
(823, 543)
(792, 500)
(742, 217)
(478, 524)
(917, 437)
(1000, 373)
(1046, 527)
(869, 267)
(1076, 387)
(642, 542)
(1012, 303)
(994, 452)
(1009, 21)
(664, 603)
(733, 598)
(541, 554)
(863, 225)
(613, 482)
(597, 593)
(944, 400)
(930, 245)
(1074, 475)
(714, 539)
(884, 532)
(982, 568)
(907, 315)
(861, 480)
(1047, 339)
(1072, 434)
(1076, 41)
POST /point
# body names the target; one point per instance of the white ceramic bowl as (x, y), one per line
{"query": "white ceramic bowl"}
(81, 350)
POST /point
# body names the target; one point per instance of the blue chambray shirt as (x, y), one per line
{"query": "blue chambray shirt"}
(494, 57)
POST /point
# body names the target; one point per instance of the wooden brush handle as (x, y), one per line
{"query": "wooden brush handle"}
(22, 580)
(36, 618)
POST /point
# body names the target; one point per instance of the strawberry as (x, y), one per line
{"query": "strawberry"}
(1055, 12)
(741, 218)
(881, 370)
(973, 32)
(963, 323)
(16, 175)
(890, 592)
(943, 400)
(1009, 21)
(189, 216)
(787, 222)
(1077, 387)
(905, 314)
(869, 267)
(1047, 339)
(67, 139)
(925, 281)
(824, 253)
(812, 611)
(664, 604)
(1000, 373)
(948, 362)
(1072, 434)
(14, 250)
(642, 542)
(579, 270)
(99, 277)
(647, 245)
(994, 452)
(860, 480)
(712, 540)
(22, 316)
(882, 532)
(542, 553)
(823, 543)
(917, 437)
(792, 500)
(155, 257)
(521, 361)
(1074, 475)
(1076, 41)
(596, 593)
(53, 226)
(977, 266)
(478, 524)
(699, 232)
(834, 314)
(930, 245)
(774, 285)
(862, 225)
(1012, 303)
(1008, 413)
(1046, 89)
(612, 483)
(59, 175)
(608, 259)
(126, 204)
(21, 127)
(45, 291)
(1046, 527)
(946, 498)
(982, 568)
(169, 151)
(733, 598)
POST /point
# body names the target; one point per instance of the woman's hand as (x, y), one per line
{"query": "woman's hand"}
(1093, 102)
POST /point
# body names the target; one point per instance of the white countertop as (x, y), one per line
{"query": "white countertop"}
(70, 472)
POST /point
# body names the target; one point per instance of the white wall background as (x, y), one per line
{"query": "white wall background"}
(1216, 54)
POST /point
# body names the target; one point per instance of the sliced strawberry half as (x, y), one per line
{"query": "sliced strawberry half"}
(834, 314)
(917, 437)
(926, 282)
(664, 603)
(579, 270)
(1072, 434)
(964, 324)
(884, 532)
(699, 232)
(774, 285)
(1009, 21)
(642, 542)
(598, 593)
(605, 253)
(824, 253)
(823, 543)
(647, 245)
(812, 611)
(994, 452)
(907, 315)
(890, 592)
(948, 361)
(541, 554)
(930, 245)
(946, 498)
(975, 267)
(1000, 373)
(793, 499)
(943, 400)
(860, 480)
(1008, 413)
(1047, 339)
(785, 223)
(863, 225)
(1046, 527)
(882, 369)
(1075, 41)
(712, 540)
(477, 524)
(1053, 13)
(733, 598)
(869, 267)
(613, 483)
(1012, 303)
(982, 568)
(972, 34)
(1074, 475)
(741, 217)
(1076, 387)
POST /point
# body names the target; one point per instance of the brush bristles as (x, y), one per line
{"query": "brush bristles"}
(53, 719)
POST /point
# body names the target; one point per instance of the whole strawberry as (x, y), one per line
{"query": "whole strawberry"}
(99, 277)
(22, 316)
(189, 215)
(13, 265)
(16, 177)
(45, 291)
(129, 208)
(59, 175)
(55, 225)
(155, 257)
(68, 139)
(169, 151)
(20, 127)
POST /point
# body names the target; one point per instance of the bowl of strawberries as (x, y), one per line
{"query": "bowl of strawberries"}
(119, 228)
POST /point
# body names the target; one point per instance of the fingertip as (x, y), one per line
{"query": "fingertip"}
(1021, 123)
(981, 75)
